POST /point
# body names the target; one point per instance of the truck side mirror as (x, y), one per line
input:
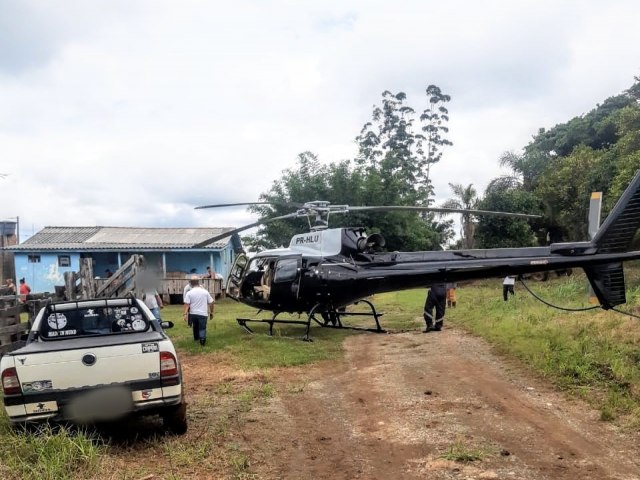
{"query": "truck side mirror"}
(166, 324)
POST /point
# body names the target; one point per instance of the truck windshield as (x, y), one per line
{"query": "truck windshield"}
(102, 320)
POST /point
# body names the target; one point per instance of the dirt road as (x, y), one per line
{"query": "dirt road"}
(413, 405)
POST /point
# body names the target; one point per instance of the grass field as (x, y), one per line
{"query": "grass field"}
(594, 354)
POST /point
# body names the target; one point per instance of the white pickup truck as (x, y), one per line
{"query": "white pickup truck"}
(92, 361)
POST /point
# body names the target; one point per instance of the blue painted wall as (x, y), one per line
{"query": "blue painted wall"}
(44, 275)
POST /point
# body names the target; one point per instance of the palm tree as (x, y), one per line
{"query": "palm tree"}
(525, 168)
(465, 198)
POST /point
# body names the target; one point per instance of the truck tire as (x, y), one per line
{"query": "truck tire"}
(175, 419)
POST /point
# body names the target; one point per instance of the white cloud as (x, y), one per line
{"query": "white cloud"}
(131, 113)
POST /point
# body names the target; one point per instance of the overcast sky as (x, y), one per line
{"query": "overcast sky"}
(130, 113)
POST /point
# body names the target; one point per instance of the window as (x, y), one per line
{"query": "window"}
(34, 258)
(82, 322)
(286, 270)
(64, 261)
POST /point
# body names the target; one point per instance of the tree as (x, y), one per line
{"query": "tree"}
(464, 198)
(565, 190)
(391, 168)
(394, 167)
(391, 154)
(310, 180)
(595, 129)
(525, 168)
(503, 232)
(435, 119)
(623, 159)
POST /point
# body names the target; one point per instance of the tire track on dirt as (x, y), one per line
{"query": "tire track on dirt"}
(397, 403)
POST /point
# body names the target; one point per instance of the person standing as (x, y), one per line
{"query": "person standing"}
(11, 286)
(24, 290)
(507, 286)
(210, 273)
(151, 299)
(436, 298)
(198, 308)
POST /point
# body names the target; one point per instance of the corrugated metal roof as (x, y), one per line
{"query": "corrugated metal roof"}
(121, 238)
(62, 235)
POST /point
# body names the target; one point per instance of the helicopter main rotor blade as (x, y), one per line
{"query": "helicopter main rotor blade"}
(443, 210)
(242, 229)
(220, 205)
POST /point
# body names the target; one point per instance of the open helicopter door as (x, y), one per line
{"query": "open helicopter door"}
(235, 277)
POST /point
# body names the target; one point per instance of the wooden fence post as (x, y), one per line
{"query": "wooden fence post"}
(87, 283)
(10, 326)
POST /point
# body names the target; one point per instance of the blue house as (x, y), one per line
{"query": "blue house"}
(43, 258)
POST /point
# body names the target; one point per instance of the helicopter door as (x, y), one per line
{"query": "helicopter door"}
(286, 280)
(235, 277)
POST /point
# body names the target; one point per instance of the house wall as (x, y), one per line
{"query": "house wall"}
(44, 275)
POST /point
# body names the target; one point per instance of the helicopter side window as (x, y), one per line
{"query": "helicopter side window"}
(252, 276)
(286, 270)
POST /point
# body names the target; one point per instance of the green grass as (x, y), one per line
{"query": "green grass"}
(461, 452)
(48, 453)
(258, 351)
(594, 353)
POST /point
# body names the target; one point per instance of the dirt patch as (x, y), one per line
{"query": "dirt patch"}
(434, 406)
(410, 405)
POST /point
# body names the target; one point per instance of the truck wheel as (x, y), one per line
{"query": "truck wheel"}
(175, 419)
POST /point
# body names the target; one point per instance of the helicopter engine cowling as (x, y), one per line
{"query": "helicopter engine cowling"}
(372, 242)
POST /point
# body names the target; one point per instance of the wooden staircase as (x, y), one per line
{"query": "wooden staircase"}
(123, 280)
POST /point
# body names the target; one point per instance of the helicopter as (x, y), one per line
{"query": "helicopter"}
(326, 270)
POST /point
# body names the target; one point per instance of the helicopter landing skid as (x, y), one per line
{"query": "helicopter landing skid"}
(243, 323)
(331, 319)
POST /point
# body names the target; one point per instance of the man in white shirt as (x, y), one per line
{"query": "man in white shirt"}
(198, 307)
(152, 299)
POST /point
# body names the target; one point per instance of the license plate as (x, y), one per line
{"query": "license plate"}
(98, 405)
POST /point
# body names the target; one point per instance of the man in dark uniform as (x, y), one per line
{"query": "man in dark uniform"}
(437, 297)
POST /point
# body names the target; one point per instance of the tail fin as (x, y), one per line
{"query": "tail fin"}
(619, 228)
(615, 236)
(607, 282)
